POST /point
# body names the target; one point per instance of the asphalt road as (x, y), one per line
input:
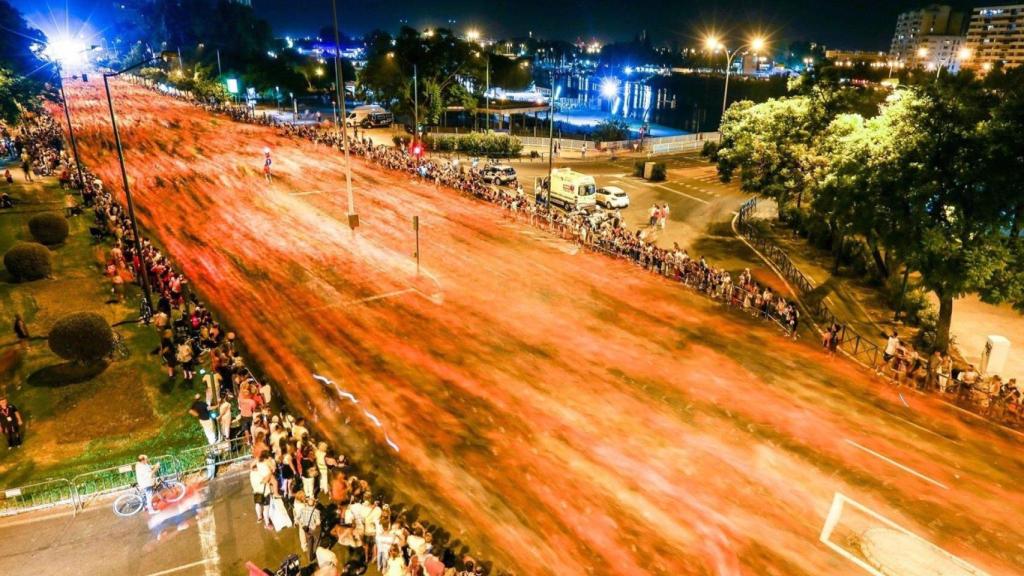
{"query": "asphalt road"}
(215, 533)
(559, 411)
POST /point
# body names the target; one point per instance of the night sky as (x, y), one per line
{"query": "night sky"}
(838, 23)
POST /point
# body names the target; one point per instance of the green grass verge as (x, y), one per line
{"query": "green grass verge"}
(79, 419)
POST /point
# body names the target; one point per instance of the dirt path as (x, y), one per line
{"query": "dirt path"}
(561, 412)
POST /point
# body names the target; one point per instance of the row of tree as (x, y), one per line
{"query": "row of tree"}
(927, 177)
(24, 76)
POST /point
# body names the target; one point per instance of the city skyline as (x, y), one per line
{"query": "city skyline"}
(845, 24)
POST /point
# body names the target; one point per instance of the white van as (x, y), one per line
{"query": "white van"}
(360, 115)
(570, 190)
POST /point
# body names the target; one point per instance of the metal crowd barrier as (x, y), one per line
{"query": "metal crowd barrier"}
(37, 496)
(99, 482)
(206, 459)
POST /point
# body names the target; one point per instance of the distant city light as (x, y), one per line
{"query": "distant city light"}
(473, 35)
(628, 70)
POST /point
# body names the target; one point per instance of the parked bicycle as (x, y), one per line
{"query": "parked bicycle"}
(164, 491)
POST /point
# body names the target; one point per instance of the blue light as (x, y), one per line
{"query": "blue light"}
(628, 70)
(609, 87)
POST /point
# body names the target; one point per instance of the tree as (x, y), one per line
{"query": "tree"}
(611, 130)
(82, 337)
(23, 73)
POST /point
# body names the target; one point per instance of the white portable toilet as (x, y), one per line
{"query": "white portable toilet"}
(993, 358)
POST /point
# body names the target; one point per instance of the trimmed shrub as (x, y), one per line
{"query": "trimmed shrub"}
(710, 150)
(658, 174)
(27, 261)
(638, 168)
(48, 228)
(82, 337)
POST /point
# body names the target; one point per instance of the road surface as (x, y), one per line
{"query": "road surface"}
(560, 412)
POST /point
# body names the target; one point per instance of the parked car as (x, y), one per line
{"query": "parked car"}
(500, 174)
(612, 197)
(378, 120)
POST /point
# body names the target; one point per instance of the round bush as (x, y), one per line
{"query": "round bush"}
(49, 228)
(82, 337)
(27, 261)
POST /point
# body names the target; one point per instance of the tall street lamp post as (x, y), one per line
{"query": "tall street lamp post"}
(714, 44)
(71, 128)
(339, 85)
(144, 273)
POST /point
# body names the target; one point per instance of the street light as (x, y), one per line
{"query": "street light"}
(353, 218)
(473, 35)
(714, 44)
(62, 54)
(962, 55)
(147, 297)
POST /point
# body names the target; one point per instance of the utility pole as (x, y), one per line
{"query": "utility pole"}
(551, 136)
(415, 104)
(339, 81)
(487, 95)
(416, 227)
(219, 71)
(71, 129)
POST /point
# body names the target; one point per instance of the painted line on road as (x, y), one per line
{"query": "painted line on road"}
(179, 568)
(898, 465)
(207, 526)
(684, 194)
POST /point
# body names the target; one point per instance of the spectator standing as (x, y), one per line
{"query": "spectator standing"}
(145, 477)
(201, 411)
(308, 520)
(261, 479)
(224, 418)
(11, 423)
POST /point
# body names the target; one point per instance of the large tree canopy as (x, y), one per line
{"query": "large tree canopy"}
(932, 178)
(23, 73)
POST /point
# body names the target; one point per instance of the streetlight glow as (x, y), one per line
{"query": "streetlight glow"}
(609, 87)
(67, 50)
(473, 35)
(965, 53)
(757, 44)
(712, 43)
(922, 52)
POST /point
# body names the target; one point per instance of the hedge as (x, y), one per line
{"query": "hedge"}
(82, 337)
(474, 144)
(27, 261)
(48, 228)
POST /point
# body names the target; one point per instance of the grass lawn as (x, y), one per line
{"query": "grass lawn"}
(79, 419)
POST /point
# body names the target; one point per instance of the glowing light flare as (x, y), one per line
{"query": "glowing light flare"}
(609, 87)
(712, 43)
(757, 44)
(68, 50)
(965, 53)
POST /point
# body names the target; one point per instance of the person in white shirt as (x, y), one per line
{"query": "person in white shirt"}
(224, 418)
(145, 477)
(261, 479)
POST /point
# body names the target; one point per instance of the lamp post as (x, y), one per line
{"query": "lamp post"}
(962, 55)
(714, 44)
(339, 85)
(144, 273)
(415, 104)
(487, 96)
(551, 135)
(67, 110)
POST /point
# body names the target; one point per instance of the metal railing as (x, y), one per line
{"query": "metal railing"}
(37, 496)
(854, 344)
(208, 458)
(115, 478)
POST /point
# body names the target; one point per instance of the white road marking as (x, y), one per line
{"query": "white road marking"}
(898, 465)
(208, 540)
(179, 568)
(835, 512)
(684, 194)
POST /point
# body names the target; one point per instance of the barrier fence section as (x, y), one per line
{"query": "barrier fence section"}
(37, 496)
(99, 482)
(207, 458)
(853, 343)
